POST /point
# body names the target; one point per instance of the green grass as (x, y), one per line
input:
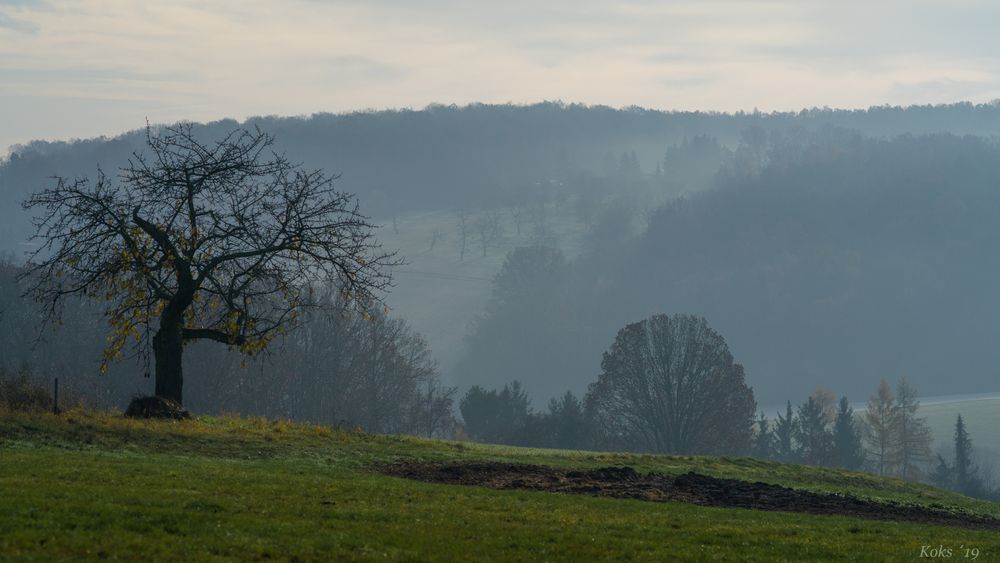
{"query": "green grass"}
(88, 485)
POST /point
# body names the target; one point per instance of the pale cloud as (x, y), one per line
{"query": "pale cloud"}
(109, 65)
(10, 15)
(7, 22)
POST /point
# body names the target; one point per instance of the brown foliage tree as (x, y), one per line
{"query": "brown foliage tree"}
(913, 436)
(881, 422)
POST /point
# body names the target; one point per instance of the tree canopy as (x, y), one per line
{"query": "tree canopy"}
(669, 384)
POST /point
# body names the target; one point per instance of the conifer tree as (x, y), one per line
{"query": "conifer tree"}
(943, 475)
(965, 472)
(815, 441)
(784, 429)
(763, 444)
(848, 450)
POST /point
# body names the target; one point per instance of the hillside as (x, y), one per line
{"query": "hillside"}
(97, 486)
(440, 157)
(844, 261)
(441, 294)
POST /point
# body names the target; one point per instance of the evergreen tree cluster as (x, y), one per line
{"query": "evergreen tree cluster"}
(505, 417)
(816, 433)
(888, 438)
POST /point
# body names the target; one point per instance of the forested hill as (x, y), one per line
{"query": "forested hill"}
(472, 156)
(828, 247)
(844, 261)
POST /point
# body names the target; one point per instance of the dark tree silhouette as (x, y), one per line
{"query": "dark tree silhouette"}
(815, 441)
(669, 384)
(962, 474)
(221, 241)
(763, 440)
(966, 474)
(569, 424)
(495, 416)
(943, 475)
(784, 429)
(847, 448)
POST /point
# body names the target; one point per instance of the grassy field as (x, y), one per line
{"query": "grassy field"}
(97, 486)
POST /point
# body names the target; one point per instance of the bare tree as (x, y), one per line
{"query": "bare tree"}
(669, 384)
(435, 235)
(494, 225)
(464, 229)
(517, 213)
(539, 218)
(218, 241)
(433, 412)
(489, 228)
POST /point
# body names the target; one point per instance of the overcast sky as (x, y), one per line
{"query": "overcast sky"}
(87, 67)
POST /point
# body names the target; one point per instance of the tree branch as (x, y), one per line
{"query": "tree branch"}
(212, 334)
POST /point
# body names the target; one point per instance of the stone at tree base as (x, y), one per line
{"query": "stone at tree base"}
(156, 407)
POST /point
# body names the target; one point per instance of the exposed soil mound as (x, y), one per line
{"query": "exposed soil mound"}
(156, 407)
(625, 482)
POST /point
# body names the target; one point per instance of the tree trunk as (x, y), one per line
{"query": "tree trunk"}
(168, 346)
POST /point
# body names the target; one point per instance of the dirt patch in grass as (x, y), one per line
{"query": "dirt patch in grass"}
(625, 482)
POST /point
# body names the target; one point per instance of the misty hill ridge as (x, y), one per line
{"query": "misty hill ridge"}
(825, 245)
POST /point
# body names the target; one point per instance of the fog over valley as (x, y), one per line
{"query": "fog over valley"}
(826, 246)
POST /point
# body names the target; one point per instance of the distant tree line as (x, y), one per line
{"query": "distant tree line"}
(887, 438)
(367, 370)
(438, 157)
(668, 384)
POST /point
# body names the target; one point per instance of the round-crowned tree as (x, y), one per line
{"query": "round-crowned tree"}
(669, 385)
(221, 241)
